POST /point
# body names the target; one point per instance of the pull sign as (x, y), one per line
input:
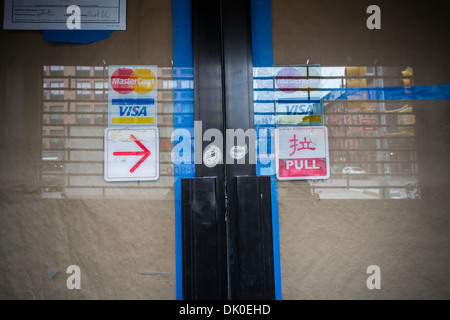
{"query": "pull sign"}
(302, 153)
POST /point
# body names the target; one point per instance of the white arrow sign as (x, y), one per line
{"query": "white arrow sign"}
(131, 155)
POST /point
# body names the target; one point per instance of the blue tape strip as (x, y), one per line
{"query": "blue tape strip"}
(262, 36)
(182, 34)
(183, 103)
(263, 57)
(433, 92)
(132, 101)
(76, 36)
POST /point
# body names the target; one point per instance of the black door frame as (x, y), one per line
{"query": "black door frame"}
(225, 202)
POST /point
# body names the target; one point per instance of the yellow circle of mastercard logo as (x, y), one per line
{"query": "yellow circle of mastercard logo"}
(126, 80)
(146, 80)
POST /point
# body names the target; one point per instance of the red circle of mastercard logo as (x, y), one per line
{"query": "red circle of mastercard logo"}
(288, 80)
(126, 80)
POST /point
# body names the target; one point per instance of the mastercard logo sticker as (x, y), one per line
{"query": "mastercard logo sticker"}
(291, 80)
(139, 80)
(288, 80)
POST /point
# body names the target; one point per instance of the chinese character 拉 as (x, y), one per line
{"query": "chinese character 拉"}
(302, 145)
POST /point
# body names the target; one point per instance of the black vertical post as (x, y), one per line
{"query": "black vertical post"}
(253, 269)
(208, 111)
(203, 272)
(237, 58)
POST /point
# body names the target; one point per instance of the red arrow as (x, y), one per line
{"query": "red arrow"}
(145, 153)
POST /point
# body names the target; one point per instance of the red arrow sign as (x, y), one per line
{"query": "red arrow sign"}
(145, 153)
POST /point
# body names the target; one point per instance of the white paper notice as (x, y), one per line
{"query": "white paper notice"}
(52, 14)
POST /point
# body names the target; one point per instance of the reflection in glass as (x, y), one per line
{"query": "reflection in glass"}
(372, 141)
(75, 115)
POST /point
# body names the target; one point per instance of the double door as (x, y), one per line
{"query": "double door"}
(226, 209)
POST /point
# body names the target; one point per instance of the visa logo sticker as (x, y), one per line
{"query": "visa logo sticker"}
(133, 111)
(299, 113)
(299, 109)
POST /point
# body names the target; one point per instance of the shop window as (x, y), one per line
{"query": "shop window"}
(57, 91)
(83, 71)
(56, 70)
(101, 89)
(83, 115)
(101, 114)
(73, 137)
(56, 114)
(100, 71)
(83, 90)
(372, 141)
